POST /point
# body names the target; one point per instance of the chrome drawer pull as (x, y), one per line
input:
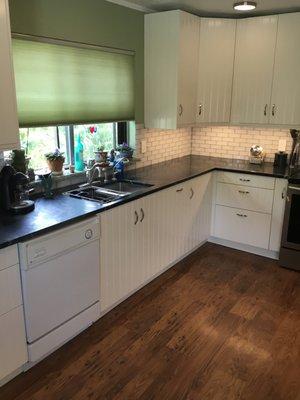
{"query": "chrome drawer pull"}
(245, 180)
(143, 215)
(179, 190)
(136, 218)
(192, 193)
(242, 215)
(244, 192)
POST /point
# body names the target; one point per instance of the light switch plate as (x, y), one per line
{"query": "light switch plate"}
(143, 146)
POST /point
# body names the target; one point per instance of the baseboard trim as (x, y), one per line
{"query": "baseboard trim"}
(245, 247)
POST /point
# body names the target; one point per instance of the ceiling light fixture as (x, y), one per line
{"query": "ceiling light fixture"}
(245, 5)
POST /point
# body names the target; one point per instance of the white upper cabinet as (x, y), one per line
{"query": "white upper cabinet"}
(253, 70)
(285, 102)
(9, 128)
(215, 69)
(171, 56)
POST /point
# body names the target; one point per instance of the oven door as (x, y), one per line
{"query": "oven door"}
(291, 225)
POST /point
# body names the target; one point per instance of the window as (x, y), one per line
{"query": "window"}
(38, 141)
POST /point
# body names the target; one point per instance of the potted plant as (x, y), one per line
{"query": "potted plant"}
(100, 154)
(55, 161)
(125, 150)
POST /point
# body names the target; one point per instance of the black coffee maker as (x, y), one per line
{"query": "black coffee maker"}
(14, 191)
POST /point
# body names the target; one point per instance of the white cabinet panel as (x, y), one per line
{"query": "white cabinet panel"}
(215, 69)
(8, 257)
(253, 69)
(237, 178)
(286, 84)
(9, 128)
(171, 53)
(187, 69)
(278, 214)
(13, 350)
(10, 289)
(248, 198)
(242, 226)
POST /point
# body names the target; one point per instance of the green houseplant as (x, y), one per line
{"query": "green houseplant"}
(55, 161)
(125, 150)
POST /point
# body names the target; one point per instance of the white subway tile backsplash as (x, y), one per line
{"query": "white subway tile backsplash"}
(235, 142)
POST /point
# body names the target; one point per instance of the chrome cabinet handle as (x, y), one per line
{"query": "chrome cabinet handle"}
(265, 109)
(180, 110)
(143, 215)
(242, 215)
(244, 192)
(192, 193)
(136, 218)
(179, 190)
(88, 234)
(273, 110)
(245, 180)
(200, 109)
(283, 194)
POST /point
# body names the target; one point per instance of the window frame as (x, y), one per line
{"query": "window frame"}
(120, 135)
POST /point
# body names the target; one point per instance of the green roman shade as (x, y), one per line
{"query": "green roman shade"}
(64, 84)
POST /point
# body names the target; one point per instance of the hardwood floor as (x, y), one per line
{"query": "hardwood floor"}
(220, 325)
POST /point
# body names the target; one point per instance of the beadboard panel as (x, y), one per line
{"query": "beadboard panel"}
(215, 70)
(253, 70)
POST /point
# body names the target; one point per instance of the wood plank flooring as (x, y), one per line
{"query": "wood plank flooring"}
(222, 324)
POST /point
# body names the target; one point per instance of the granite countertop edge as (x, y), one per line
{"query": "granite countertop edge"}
(15, 229)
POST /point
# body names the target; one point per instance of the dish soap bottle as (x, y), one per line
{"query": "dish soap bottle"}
(79, 164)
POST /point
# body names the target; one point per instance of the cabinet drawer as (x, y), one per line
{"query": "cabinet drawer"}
(8, 257)
(10, 289)
(13, 349)
(246, 197)
(242, 226)
(246, 179)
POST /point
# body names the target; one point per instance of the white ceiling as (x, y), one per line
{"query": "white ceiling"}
(211, 7)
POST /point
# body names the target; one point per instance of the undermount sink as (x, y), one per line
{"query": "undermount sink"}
(125, 186)
(107, 192)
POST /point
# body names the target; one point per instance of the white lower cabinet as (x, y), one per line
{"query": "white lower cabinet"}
(13, 349)
(238, 225)
(249, 209)
(142, 238)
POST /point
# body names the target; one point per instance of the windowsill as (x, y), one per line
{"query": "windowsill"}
(61, 181)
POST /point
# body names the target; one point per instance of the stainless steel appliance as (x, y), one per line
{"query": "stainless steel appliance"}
(289, 256)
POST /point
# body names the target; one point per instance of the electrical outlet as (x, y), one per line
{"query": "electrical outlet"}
(143, 146)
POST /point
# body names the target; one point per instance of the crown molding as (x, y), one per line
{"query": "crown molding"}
(134, 6)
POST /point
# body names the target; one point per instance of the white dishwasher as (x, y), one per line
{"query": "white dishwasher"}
(61, 285)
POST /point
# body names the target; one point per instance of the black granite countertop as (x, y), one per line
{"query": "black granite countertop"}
(63, 210)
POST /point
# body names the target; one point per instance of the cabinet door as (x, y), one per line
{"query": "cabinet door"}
(253, 69)
(13, 349)
(199, 209)
(278, 214)
(161, 66)
(215, 70)
(118, 235)
(187, 68)
(285, 102)
(9, 129)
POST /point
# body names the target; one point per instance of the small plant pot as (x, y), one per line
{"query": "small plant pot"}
(56, 166)
(100, 156)
(126, 154)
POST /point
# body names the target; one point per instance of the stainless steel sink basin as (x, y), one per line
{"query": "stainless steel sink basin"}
(125, 186)
(108, 192)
